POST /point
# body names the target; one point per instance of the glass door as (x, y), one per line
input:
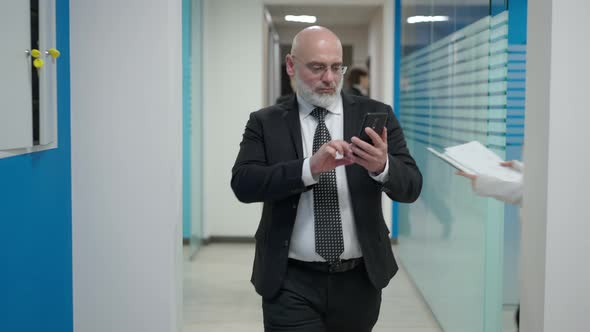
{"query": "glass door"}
(192, 125)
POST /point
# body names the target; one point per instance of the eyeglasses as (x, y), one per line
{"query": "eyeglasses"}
(318, 68)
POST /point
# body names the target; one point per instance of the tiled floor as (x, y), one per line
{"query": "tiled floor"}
(218, 296)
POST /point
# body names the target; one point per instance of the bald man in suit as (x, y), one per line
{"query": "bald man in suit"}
(322, 247)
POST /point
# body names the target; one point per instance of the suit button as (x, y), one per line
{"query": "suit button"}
(286, 243)
(294, 206)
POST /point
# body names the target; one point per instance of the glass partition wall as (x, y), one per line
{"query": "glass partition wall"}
(460, 79)
(192, 124)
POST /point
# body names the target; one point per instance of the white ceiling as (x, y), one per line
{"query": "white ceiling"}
(343, 12)
(373, 2)
(330, 15)
(325, 2)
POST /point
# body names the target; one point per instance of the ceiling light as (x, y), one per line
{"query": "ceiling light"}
(423, 19)
(300, 18)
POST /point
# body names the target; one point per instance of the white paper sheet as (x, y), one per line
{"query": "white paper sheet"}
(475, 158)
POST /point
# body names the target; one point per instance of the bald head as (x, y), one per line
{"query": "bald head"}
(315, 63)
(314, 41)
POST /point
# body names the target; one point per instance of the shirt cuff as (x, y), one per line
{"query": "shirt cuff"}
(306, 176)
(384, 176)
(519, 166)
(506, 191)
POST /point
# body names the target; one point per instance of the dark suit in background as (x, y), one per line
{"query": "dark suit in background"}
(354, 91)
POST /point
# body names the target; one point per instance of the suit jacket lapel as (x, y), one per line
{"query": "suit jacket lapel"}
(291, 116)
(352, 117)
(352, 121)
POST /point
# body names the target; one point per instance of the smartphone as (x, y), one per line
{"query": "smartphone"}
(375, 121)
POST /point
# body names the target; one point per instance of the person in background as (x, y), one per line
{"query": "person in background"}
(288, 96)
(358, 82)
(323, 252)
(505, 191)
(287, 87)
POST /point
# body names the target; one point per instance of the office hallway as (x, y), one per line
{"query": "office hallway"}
(218, 296)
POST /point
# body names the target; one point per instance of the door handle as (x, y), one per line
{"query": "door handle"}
(35, 53)
(53, 52)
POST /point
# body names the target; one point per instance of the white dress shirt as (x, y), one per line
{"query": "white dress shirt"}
(302, 245)
(506, 191)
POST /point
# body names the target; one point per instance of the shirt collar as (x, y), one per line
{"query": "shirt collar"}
(305, 108)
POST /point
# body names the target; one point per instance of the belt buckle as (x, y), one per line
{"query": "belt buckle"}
(335, 266)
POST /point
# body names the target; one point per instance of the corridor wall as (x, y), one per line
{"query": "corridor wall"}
(555, 292)
(233, 72)
(126, 165)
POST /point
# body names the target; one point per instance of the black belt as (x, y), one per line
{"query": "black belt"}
(339, 266)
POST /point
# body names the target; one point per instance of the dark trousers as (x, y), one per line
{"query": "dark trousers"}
(321, 301)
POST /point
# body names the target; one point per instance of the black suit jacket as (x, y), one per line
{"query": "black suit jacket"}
(269, 167)
(354, 91)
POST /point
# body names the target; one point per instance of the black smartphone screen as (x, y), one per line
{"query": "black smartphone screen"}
(375, 121)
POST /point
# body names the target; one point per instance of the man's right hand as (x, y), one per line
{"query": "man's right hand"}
(325, 158)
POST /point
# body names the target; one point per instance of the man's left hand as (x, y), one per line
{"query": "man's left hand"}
(372, 157)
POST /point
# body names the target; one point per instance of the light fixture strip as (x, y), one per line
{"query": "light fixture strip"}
(301, 18)
(426, 19)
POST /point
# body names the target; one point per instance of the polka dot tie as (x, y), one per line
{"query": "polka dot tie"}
(329, 242)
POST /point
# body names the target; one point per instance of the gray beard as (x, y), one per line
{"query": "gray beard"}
(320, 100)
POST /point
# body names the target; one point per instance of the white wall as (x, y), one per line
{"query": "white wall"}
(387, 69)
(555, 293)
(357, 36)
(376, 53)
(126, 164)
(233, 88)
(381, 51)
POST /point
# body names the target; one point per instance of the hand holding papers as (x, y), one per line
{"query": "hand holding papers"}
(475, 158)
